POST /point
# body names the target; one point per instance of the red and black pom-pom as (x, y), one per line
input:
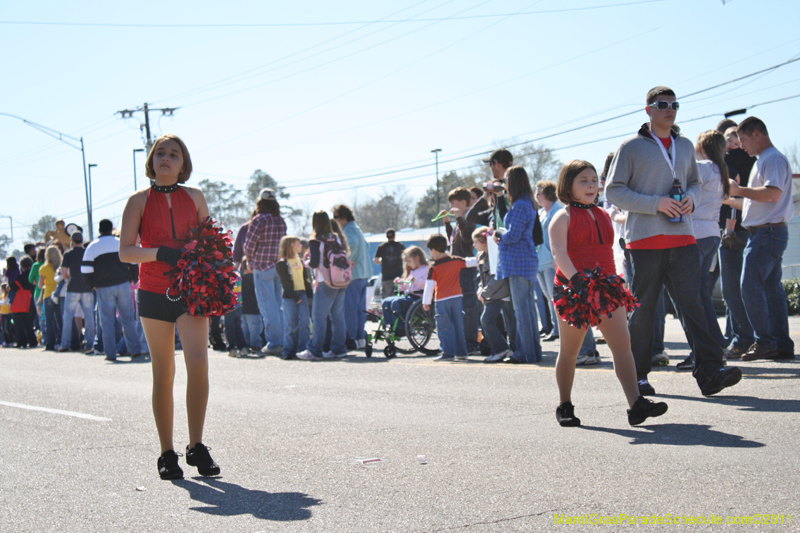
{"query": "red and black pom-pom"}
(205, 274)
(590, 296)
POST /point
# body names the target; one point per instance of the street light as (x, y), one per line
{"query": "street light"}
(60, 136)
(91, 230)
(135, 188)
(438, 205)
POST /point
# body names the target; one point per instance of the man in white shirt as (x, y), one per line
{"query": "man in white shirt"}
(767, 209)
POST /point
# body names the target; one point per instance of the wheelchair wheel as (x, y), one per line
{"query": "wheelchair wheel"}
(389, 352)
(421, 329)
(368, 348)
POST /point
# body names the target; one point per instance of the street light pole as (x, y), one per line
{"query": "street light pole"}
(438, 205)
(91, 229)
(60, 136)
(135, 187)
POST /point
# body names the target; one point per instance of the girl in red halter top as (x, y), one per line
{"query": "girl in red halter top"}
(162, 217)
(588, 292)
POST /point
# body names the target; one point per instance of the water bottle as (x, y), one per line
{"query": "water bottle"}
(676, 193)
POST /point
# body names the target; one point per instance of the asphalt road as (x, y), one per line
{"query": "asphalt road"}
(291, 438)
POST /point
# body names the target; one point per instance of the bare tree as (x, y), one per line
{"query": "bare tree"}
(540, 162)
(393, 209)
(792, 154)
(44, 224)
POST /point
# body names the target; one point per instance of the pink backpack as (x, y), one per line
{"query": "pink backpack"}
(334, 265)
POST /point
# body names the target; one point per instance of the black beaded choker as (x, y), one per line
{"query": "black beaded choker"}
(164, 188)
(582, 206)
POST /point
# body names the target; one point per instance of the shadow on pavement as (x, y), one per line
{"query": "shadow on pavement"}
(680, 435)
(745, 403)
(230, 499)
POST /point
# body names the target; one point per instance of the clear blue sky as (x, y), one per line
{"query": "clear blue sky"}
(312, 103)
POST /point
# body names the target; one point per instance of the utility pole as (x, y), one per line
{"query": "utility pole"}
(438, 205)
(135, 188)
(165, 111)
(91, 207)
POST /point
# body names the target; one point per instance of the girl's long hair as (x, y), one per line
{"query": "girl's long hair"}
(52, 257)
(323, 227)
(518, 184)
(408, 253)
(712, 143)
(285, 247)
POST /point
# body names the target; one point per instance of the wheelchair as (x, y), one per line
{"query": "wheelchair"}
(420, 333)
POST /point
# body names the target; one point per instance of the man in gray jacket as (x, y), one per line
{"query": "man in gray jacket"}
(660, 237)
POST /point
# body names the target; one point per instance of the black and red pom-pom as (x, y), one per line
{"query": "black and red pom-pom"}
(590, 296)
(205, 274)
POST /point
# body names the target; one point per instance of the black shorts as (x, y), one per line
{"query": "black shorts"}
(158, 306)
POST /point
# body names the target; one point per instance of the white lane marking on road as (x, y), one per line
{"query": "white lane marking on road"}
(56, 411)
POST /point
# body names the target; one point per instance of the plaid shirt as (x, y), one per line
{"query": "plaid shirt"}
(261, 243)
(517, 253)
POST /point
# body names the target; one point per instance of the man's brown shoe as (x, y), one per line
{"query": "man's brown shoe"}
(757, 351)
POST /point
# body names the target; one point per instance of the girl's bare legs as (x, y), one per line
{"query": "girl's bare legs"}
(615, 331)
(194, 339)
(571, 339)
(161, 340)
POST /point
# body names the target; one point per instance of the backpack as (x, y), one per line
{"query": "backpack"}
(334, 265)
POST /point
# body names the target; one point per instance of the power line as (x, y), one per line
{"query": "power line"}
(312, 24)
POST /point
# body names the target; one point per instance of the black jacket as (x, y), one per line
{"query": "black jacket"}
(287, 283)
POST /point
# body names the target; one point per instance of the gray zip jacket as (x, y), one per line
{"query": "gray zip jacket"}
(639, 176)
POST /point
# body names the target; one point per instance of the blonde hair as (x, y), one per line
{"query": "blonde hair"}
(285, 247)
(52, 257)
(712, 143)
(408, 253)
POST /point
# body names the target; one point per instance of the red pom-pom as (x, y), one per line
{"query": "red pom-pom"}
(590, 296)
(205, 275)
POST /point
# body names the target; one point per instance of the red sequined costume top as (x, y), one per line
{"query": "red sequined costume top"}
(589, 241)
(162, 226)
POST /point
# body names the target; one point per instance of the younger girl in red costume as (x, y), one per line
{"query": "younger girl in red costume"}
(163, 216)
(588, 291)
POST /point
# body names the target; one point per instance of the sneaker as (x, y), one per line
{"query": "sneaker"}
(720, 379)
(199, 457)
(461, 358)
(328, 355)
(759, 351)
(586, 359)
(62, 349)
(168, 466)
(90, 351)
(645, 389)
(734, 352)
(475, 351)
(565, 414)
(361, 344)
(443, 357)
(497, 358)
(341, 355)
(660, 359)
(686, 364)
(550, 337)
(275, 350)
(112, 359)
(233, 353)
(644, 409)
(305, 355)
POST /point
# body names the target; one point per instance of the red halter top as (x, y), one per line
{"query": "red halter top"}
(589, 241)
(164, 226)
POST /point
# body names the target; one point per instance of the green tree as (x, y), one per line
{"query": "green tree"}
(261, 180)
(427, 208)
(394, 209)
(226, 204)
(45, 224)
(5, 241)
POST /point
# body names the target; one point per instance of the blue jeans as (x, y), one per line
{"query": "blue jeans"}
(497, 342)
(252, 326)
(730, 265)
(110, 301)
(71, 303)
(546, 282)
(295, 316)
(450, 326)
(522, 296)
(328, 302)
(677, 269)
(233, 329)
(396, 307)
(355, 305)
(589, 345)
(472, 307)
(52, 313)
(762, 291)
(268, 293)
